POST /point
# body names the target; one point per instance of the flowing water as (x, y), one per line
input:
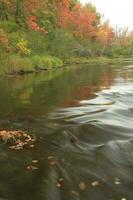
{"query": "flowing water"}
(82, 119)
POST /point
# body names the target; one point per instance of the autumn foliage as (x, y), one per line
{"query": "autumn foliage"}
(79, 19)
(4, 40)
(65, 27)
(32, 24)
(17, 140)
(105, 34)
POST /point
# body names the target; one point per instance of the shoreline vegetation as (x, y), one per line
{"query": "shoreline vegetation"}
(48, 35)
(21, 66)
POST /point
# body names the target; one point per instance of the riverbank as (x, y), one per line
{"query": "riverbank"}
(98, 60)
(18, 65)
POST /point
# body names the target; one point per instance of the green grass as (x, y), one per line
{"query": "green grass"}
(46, 62)
(15, 64)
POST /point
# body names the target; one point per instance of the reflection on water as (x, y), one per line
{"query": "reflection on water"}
(82, 120)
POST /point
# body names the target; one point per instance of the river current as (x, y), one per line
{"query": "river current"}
(82, 120)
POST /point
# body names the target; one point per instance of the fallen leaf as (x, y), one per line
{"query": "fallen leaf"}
(82, 186)
(31, 167)
(34, 161)
(52, 162)
(117, 181)
(95, 183)
(32, 146)
(50, 157)
(58, 185)
(74, 193)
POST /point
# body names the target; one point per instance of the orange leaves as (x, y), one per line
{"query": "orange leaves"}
(5, 136)
(34, 26)
(4, 40)
(105, 34)
(17, 139)
(79, 19)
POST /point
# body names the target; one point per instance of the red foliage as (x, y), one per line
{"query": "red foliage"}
(32, 24)
(79, 19)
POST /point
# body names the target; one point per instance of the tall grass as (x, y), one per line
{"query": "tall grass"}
(17, 64)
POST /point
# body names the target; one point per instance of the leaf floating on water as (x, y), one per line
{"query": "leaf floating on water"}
(61, 179)
(52, 162)
(32, 146)
(17, 139)
(35, 161)
(117, 181)
(95, 183)
(50, 157)
(31, 167)
(58, 185)
(82, 186)
(5, 135)
(74, 193)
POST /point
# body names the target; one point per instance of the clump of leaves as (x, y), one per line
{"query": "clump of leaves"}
(4, 40)
(17, 139)
(22, 47)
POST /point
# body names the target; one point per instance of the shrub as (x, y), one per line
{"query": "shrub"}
(37, 62)
(9, 26)
(17, 64)
(47, 62)
(56, 62)
(40, 46)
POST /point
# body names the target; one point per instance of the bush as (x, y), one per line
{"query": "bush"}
(56, 62)
(9, 26)
(16, 64)
(46, 62)
(37, 62)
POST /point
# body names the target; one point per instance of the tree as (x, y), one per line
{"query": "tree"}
(105, 35)
(81, 20)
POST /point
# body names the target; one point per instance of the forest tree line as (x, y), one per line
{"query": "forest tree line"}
(66, 28)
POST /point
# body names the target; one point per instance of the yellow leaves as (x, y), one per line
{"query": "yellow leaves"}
(17, 139)
(5, 136)
(22, 47)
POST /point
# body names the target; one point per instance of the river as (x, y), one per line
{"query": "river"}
(82, 119)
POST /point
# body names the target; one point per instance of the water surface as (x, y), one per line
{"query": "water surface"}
(82, 119)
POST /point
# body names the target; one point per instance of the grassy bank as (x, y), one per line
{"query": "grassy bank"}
(16, 64)
(98, 60)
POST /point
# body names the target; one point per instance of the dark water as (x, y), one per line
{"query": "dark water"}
(82, 120)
